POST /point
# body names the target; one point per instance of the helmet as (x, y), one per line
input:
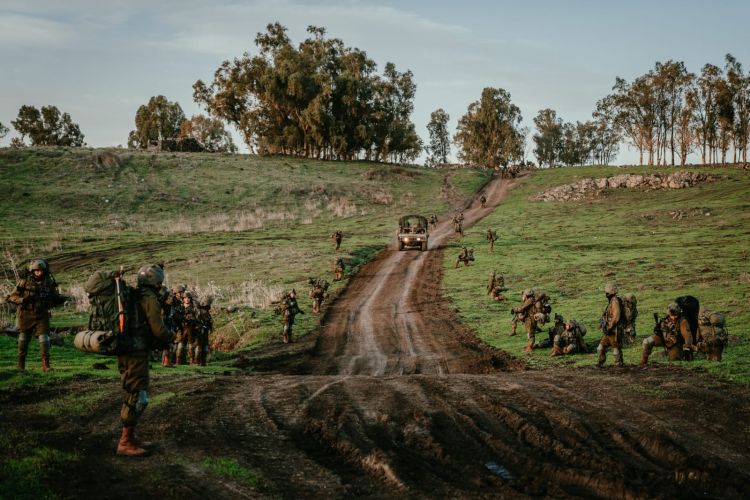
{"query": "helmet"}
(610, 289)
(674, 309)
(569, 323)
(629, 297)
(529, 292)
(150, 275)
(38, 265)
(181, 289)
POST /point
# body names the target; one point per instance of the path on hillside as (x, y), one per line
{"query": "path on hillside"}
(394, 398)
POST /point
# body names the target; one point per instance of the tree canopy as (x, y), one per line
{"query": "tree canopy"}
(155, 122)
(440, 143)
(319, 99)
(47, 127)
(208, 133)
(489, 134)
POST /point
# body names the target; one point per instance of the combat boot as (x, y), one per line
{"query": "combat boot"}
(127, 447)
(21, 362)
(45, 363)
(165, 362)
(556, 351)
(513, 330)
(644, 358)
(529, 347)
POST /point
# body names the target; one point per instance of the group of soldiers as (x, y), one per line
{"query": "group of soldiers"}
(685, 329)
(190, 319)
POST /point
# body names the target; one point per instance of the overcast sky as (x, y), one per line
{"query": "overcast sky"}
(100, 60)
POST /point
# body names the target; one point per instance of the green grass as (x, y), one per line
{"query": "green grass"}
(219, 222)
(572, 249)
(24, 477)
(231, 469)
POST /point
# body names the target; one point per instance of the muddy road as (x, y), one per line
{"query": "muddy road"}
(393, 397)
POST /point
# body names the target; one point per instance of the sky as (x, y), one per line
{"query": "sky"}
(100, 60)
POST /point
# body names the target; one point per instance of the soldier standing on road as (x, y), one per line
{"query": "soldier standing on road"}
(35, 295)
(289, 309)
(525, 313)
(483, 200)
(433, 220)
(674, 333)
(148, 331)
(611, 325)
(491, 238)
(337, 235)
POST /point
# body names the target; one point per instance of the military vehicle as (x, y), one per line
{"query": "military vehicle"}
(412, 232)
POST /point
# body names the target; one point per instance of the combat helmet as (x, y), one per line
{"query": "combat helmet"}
(610, 289)
(529, 292)
(38, 265)
(569, 323)
(674, 309)
(206, 302)
(150, 275)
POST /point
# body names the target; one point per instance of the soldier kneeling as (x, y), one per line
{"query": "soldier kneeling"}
(673, 333)
(712, 334)
(466, 255)
(570, 340)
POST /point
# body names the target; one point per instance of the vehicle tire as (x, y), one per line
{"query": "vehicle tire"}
(424, 246)
(400, 246)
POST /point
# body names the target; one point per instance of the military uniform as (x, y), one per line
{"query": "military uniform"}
(483, 200)
(569, 340)
(190, 332)
(496, 287)
(465, 255)
(289, 309)
(35, 295)
(712, 335)
(525, 314)
(318, 291)
(205, 327)
(673, 333)
(491, 238)
(148, 328)
(611, 325)
(433, 220)
(630, 312)
(337, 236)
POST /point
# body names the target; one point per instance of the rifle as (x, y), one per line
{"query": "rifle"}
(120, 306)
(659, 333)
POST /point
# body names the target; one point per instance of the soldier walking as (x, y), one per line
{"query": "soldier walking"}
(134, 365)
(491, 238)
(465, 255)
(525, 314)
(289, 309)
(337, 235)
(35, 295)
(611, 325)
(483, 200)
(205, 327)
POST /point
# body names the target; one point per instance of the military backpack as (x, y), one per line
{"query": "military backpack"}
(712, 327)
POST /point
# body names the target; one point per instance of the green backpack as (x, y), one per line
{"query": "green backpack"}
(113, 313)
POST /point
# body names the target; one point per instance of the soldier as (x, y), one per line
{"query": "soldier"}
(35, 295)
(611, 326)
(288, 310)
(337, 235)
(570, 340)
(465, 255)
(433, 220)
(496, 287)
(149, 329)
(525, 314)
(338, 269)
(483, 200)
(205, 327)
(178, 317)
(167, 302)
(459, 229)
(318, 292)
(491, 238)
(190, 330)
(712, 335)
(673, 333)
(630, 312)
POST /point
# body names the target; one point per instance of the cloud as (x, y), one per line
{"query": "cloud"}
(21, 31)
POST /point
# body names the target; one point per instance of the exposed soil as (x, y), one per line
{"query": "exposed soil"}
(394, 397)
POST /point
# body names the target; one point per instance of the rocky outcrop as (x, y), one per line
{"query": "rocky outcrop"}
(592, 188)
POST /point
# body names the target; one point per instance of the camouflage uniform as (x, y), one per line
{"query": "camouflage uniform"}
(483, 200)
(712, 335)
(318, 292)
(611, 326)
(569, 340)
(338, 269)
(337, 235)
(465, 255)
(148, 328)
(491, 238)
(630, 312)
(433, 220)
(496, 287)
(673, 333)
(205, 327)
(289, 309)
(525, 313)
(190, 331)
(35, 295)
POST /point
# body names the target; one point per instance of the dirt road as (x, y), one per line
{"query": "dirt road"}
(393, 397)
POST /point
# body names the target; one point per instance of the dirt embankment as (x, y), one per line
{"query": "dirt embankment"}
(394, 398)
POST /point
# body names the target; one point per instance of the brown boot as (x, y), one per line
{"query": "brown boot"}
(644, 358)
(21, 362)
(45, 363)
(529, 347)
(165, 362)
(556, 351)
(127, 446)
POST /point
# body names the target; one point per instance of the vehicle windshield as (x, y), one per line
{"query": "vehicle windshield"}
(412, 224)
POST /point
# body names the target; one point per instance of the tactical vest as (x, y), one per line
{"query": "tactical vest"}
(670, 331)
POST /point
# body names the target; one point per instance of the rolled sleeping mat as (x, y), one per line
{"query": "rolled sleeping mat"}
(94, 341)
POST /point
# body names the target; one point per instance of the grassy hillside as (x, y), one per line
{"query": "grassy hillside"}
(572, 249)
(239, 227)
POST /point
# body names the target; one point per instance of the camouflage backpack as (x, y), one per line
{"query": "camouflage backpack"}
(113, 312)
(712, 327)
(630, 307)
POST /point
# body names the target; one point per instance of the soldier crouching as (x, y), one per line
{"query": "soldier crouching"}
(673, 333)
(148, 329)
(570, 340)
